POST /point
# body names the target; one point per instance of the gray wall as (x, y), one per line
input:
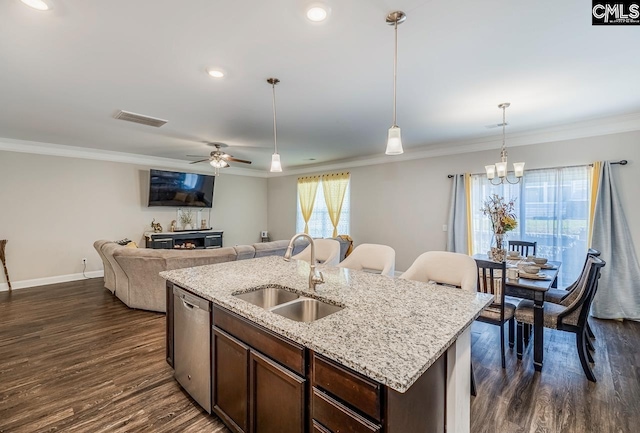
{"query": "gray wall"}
(405, 204)
(54, 208)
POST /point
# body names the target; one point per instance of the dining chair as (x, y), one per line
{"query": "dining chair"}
(523, 247)
(492, 280)
(327, 252)
(558, 295)
(444, 268)
(376, 258)
(571, 315)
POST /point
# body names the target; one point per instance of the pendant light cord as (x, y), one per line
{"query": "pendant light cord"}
(395, 72)
(504, 124)
(275, 130)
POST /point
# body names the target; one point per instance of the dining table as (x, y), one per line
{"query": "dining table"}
(534, 289)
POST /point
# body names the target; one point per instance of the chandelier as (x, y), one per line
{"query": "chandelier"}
(500, 168)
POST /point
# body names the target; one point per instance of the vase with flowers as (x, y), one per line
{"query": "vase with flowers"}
(501, 213)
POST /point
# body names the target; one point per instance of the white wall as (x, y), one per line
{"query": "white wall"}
(52, 209)
(405, 204)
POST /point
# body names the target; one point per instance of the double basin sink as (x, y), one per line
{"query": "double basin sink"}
(289, 304)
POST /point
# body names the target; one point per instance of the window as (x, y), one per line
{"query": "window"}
(320, 225)
(552, 209)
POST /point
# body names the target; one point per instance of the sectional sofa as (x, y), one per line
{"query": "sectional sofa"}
(132, 273)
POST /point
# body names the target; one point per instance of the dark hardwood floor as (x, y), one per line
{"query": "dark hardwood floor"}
(73, 358)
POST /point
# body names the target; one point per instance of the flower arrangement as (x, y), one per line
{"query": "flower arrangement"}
(503, 219)
(501, 213)
(186, 218)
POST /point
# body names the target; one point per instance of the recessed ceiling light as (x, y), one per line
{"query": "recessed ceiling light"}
(37, 4)
(216, 73)
(317, 13)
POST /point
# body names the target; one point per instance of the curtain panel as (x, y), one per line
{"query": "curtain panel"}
(618, 295)
(334, 187)
(307, 188)
(458, 223)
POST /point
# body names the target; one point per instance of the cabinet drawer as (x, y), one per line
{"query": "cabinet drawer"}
(337, 417)
(286, 352)
(317, 428)
(349, 386)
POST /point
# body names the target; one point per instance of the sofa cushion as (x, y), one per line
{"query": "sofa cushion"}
(244, 252)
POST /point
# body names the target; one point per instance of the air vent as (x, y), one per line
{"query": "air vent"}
(139, 118)
(497, 125)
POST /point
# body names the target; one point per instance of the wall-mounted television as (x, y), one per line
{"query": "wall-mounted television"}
(171, 188)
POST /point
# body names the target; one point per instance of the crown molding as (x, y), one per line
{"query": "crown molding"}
(587, 128)
(38, 148)
(576, 130)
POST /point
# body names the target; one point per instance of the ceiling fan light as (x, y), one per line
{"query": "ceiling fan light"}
(518, 168)
(394, 141)
(276, 167)
(218, 163)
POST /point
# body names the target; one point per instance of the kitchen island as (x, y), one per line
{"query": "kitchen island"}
(395, 358)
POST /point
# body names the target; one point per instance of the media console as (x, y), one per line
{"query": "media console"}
(178, 240)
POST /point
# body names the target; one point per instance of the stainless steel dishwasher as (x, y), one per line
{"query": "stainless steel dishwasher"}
(192, 345)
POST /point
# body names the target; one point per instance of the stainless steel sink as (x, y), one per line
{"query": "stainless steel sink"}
(306, 310)
(268, 297)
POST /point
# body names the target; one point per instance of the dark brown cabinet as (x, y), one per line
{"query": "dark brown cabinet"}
(230, 373)
(169, 346)
(277, 397)
(257, 385)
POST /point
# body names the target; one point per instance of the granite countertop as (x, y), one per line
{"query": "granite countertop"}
(390, 329)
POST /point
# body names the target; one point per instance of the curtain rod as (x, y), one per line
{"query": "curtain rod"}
(621, 162)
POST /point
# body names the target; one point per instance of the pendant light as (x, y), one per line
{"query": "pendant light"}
(276, 167)
(394, 139)
(500, 168)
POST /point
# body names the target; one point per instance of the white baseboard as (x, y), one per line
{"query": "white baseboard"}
(50, 280)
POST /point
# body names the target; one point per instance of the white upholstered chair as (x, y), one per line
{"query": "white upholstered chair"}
(327, 252)
(453, 269)
(372, 257)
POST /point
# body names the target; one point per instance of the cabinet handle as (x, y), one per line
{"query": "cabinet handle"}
(214, 236)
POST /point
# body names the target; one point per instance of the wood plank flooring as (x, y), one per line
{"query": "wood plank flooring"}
(73, 358)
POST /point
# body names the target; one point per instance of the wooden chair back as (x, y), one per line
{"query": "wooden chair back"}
(575, 315)
(492, 278)
(523, 247)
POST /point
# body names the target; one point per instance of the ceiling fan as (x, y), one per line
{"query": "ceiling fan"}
(219, 159)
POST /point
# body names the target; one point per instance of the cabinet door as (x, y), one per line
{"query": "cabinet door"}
(277, 397)
(230, 374)
(169, 323)
(213, 241)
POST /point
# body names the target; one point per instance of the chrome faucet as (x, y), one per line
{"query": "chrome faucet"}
(313, 278)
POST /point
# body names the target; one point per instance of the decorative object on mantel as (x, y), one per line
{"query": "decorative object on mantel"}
(186, 218)
(3, 259)
(174, 226)
(157, 228)
(203, 225)
(394, 139)
(500, 168)
(276, 167)
(503, 219)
